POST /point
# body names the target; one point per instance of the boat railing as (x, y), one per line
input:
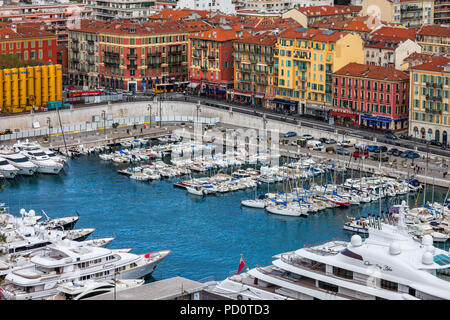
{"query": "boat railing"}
(286, 276)
(297, 262)
(336, 239)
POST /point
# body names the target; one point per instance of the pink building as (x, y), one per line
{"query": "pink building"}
(371, 96)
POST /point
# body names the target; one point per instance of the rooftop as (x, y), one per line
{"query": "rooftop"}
(434, 30)
(317, 11)
(437, 64)
(372, 72)
(312, 34)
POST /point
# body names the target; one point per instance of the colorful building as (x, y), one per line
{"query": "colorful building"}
(211, 69)
(434, 39)
(254, 76)
(305, 60)
(305, 16)
(129, 56)
(429, 115)
(29, 42)
(371, 96)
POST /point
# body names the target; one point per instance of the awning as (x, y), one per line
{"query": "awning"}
(402, 119)
(383, 119)
(320, 107)
(343, 114)
(193, 85)
(282, 101)
(242, 94)
(368, 118)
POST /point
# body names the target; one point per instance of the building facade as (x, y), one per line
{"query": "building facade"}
(429, 98)
(211, 69)
(371, 96)
(121, 9)
(434, 39)
(130, 56)
(29, 42)
(305, 16)
(305, 60)
(410, 13)
(441, 11)
(254, 76)
(224, 6)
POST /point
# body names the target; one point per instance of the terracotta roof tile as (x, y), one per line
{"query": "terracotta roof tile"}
(317, 11)
(435, 30)
(437, 63)
(372, 72)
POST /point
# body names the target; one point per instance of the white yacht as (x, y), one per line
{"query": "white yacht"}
(7, 170)
(53, 156)
(68, 261)
(389, 264)
(18, 160)
(90, 288)
(43, 161)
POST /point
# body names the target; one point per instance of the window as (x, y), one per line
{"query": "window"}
(343, 273)
(389, 285)
(328, 286)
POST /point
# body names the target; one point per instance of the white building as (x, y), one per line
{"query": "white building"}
(280, 6)
(224, 6)
(121, 9)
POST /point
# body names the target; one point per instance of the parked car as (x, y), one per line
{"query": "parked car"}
(289, 134)
(307, 137)
(390, 135)
(347, 143)
(361, 154)
(383, 148)
(435, 143)
(404, 154)
(413, 155)
(392, 150)
(361, 146)
(397, 153)
(128, 93)
(373, 148)
(327, 141)
(377, 157)
(342, 151)
(315, 144)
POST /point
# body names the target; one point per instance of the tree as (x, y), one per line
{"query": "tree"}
(10, 60)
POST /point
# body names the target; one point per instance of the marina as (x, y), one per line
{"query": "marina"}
(199, 230)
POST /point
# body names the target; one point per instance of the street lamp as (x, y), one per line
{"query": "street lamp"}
(150, 114)
(49, 127)
(104, 121)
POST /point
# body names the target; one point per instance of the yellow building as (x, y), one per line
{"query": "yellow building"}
(25, 88)
(410, 13)
(304, 61)
(429, 114)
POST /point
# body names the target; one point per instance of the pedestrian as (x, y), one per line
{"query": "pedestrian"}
(141, 130)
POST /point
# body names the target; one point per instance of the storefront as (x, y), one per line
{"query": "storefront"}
(316, 110)
(242, 96)
(285, 106)
(345, 117)
(376, 122)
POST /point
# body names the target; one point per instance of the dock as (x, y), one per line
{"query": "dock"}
(176, 288)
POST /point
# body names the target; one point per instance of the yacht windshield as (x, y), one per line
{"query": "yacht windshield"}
(39, 154)
(3, 163)
(18, 160)
(443, 274)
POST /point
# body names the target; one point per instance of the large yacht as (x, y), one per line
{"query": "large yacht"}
(67, 261)
(7, 170)
(43, 161)
(389, 264)
(21, 162)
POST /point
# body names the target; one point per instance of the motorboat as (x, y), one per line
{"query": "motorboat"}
(89, 288)
(21, 162)
(79, 234)
(196, 190)
(7, 170)
(254, 203)
(67, 261)
(99, 242)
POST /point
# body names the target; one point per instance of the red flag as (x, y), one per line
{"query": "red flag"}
(241, 265)
(147, 255)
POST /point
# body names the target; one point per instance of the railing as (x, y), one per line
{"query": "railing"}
(433, 84)
(132, 56)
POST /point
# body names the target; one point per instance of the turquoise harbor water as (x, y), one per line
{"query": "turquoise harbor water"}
(206, 235)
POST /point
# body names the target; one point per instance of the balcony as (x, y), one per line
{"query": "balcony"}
(431, 110)
(153, 54)
(132, 56)
(132, 66)
(175, 63)
(153, 64)
(111, 54)
(433, 98)
(174, 53)
(75, 61)
(211, 57)
(204, 68)
(433, 85)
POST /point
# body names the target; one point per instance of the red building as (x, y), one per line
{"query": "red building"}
(28, 42)
(371, 96)
(211, 70)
